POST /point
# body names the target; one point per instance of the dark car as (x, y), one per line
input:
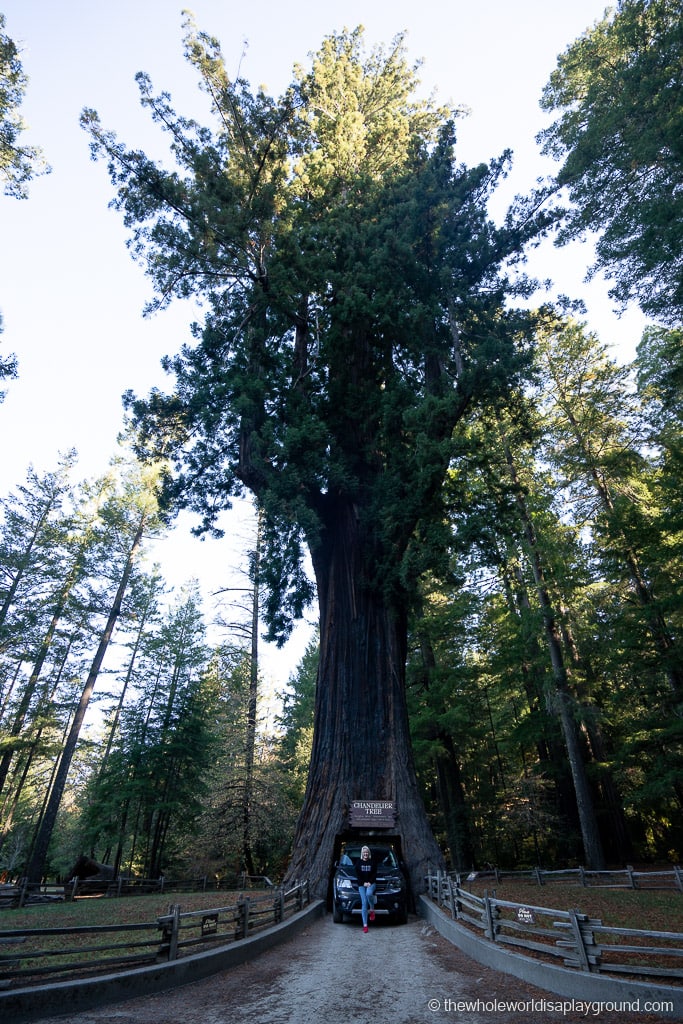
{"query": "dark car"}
(391, 890)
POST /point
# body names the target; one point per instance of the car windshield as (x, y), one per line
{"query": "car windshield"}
(384, 855)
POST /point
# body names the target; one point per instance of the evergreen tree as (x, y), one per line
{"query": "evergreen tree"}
(355, 312)
(619, 91)
(146, 798)
(18, 162)
(296, 722)
(129, 513)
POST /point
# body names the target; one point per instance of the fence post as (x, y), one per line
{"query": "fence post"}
(582, 876)
(577, 919)
(631, 876)
(242, 929)
(488, 917)
(539, 875)
(170, 926)
(279, 906)
(678, 877)
(24, 891)
(451, 894)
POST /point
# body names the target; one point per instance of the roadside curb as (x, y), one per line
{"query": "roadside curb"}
(577, 985)
(68, 997)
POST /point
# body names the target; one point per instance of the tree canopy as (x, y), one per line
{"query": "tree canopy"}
(358, 303)
(18, 162)
(619, 91)
(487, 497)
(354, 288)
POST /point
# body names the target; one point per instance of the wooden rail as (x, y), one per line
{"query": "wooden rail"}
(626, 878)
(38, 952)
(569, 937)
(24, 893)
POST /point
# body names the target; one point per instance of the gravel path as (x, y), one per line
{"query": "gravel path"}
(334, 974)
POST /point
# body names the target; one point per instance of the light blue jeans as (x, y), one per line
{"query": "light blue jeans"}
(367, 900)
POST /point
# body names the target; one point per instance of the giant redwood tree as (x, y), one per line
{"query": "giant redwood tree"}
(355, 291)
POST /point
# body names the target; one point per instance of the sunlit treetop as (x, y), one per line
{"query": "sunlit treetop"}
(619, 92)
(357, 292)
(18, 162)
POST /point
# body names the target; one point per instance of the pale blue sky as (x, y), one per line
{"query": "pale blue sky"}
(70, 295)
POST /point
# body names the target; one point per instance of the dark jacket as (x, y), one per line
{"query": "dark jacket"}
(366, 870)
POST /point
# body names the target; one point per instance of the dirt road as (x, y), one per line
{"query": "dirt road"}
(334, 974)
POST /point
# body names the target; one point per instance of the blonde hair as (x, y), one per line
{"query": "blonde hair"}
(363, 849)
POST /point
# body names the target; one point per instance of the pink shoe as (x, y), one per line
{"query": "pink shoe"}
(372, 915)
(365, 927)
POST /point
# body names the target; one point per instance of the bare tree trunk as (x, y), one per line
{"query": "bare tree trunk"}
(43, 651)
(449, 787)
(549, 747)
(23, 564)
(250, 739)
(658, 628)
(119, 707)
(616, 834)
(560, 700)
(36, 865)
(21, 771)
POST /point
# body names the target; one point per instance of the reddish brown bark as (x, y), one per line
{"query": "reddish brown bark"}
(361, 746)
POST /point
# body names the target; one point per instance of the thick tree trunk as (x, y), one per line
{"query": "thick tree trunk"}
(361, 743)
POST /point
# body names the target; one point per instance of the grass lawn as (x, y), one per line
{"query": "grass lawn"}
(620, 908)
(649, 909)
(99, 910)
(85, 950)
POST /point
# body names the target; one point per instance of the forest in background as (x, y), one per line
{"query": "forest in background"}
(564, 520)
(544, 678)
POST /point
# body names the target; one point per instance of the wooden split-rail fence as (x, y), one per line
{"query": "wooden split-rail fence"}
(623, 878)
(35, 954)
(568, 937)
(23, 893)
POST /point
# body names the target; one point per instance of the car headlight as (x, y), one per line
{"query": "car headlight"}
(344, 883)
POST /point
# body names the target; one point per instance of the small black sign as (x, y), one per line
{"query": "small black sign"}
(209, 924)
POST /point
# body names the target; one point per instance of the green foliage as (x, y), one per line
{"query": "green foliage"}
(355, 294)
(216, 844)
(8, 367)
(18, 163)
(296, 723)
(360, 356)
(589, 453)
(619, 88)
(147, 795)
